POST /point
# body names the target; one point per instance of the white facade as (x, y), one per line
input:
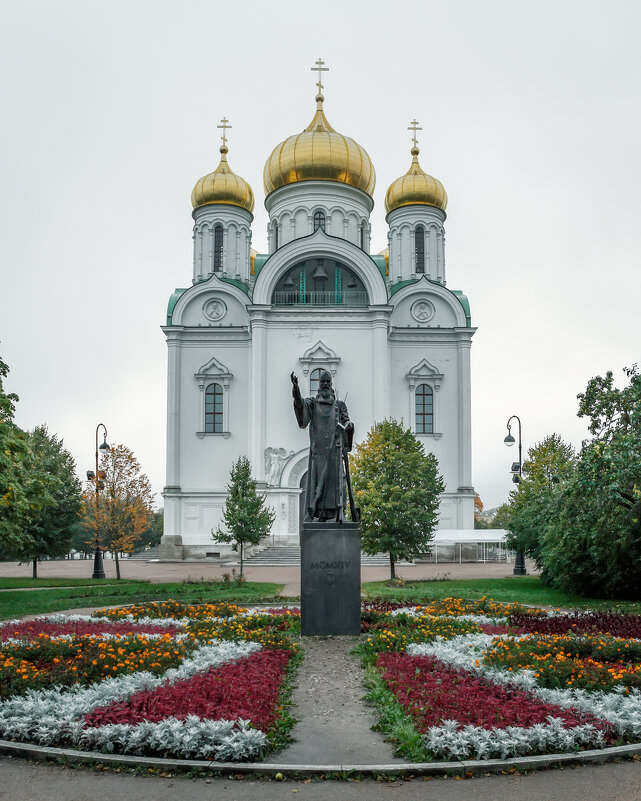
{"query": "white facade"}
(242, 328)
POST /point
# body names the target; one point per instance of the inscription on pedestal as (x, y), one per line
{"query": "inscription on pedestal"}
(330, 578)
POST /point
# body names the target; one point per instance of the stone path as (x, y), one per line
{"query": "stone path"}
(335, 724)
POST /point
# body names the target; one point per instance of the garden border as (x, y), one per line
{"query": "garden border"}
(267, 769)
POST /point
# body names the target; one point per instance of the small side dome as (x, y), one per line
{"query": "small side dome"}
(223, 186)
(415, 187)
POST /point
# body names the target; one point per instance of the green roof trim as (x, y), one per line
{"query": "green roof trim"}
(379, 261)
(259, 262)
(465, 303)
(172, 303)
(237, 283)
(400, 284)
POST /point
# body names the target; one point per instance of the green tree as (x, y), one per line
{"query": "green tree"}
(593, 544)
(502, 517)
(24, 489)
(397, 486)
(50, 527)
(534, 502)
(246, 518)
(152, 536)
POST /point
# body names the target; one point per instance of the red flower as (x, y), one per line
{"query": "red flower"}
(431, 692)
(247, 688)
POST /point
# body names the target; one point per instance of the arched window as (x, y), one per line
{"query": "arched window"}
(218, 248)
(362, 237)
(424, 409)
(275, 236)
(314, 381)
(319, 220)
(214, 409)
(419, 249)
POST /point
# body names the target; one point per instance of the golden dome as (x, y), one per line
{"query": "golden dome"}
(319, 153)
(415, 187)
(223, 186)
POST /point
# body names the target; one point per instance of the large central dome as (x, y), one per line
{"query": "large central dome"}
(319, 153)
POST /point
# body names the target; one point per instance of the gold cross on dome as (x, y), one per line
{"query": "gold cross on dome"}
(319, 68)
(413, 126)
(224, 125)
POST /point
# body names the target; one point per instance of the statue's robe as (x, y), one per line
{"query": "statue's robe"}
(325, 473)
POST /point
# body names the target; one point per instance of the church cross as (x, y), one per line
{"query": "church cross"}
(224, 125)
(319, 68)
(413, 126)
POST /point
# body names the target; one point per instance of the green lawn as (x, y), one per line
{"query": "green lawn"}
(524, 589)
(36, 602)
(18, 582)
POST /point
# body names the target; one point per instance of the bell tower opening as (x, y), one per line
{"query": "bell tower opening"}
(320, 282)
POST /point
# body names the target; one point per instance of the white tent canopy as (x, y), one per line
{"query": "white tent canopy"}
(467, 535)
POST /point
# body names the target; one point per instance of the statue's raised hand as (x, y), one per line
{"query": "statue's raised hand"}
(294, 379)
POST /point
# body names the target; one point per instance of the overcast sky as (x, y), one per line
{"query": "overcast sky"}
(531, 118)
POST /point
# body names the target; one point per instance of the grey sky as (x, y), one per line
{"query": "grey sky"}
(531, 118)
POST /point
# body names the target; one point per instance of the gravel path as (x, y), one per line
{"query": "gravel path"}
(335, 725)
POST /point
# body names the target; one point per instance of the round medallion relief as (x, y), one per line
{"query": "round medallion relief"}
(214, 309)
(422, 311)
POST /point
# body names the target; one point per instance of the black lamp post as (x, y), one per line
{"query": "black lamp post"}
(519, 562)
(98, 568)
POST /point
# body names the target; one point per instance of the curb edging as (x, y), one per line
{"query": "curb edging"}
(266, 769)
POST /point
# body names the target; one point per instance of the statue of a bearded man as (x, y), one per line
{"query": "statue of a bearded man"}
(330, 438)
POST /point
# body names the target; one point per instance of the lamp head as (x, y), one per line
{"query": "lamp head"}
(104, 447)
(509, 440)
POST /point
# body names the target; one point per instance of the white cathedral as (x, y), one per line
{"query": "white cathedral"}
(394, 337)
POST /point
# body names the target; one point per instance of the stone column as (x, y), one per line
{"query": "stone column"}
(258, 394)
(380, 377)
(465, 433)
(171, 542)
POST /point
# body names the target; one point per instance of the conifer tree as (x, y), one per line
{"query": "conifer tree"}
(246, 518)
(397, 486)
(49, 529)
(24, 485)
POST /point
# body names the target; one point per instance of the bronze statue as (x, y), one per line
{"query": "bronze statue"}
(330, 438)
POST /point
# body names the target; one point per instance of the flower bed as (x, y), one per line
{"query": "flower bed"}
(478, 680)
(206, 680)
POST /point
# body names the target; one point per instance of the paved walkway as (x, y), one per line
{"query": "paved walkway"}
(32, 781)
(288, 576)
(334, 724)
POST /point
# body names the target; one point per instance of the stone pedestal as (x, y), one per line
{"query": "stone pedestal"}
(171, 548)
(330, 578)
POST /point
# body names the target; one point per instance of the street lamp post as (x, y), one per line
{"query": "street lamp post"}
(98, 568)
(519, 562)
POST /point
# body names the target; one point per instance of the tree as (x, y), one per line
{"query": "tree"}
(50, 528)
(246, 518)
(24, 489)
(124, 508)
(152, 536)
(502, 517)
(479, 522)
(593, 544)
(397, 486)
(534, 502)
